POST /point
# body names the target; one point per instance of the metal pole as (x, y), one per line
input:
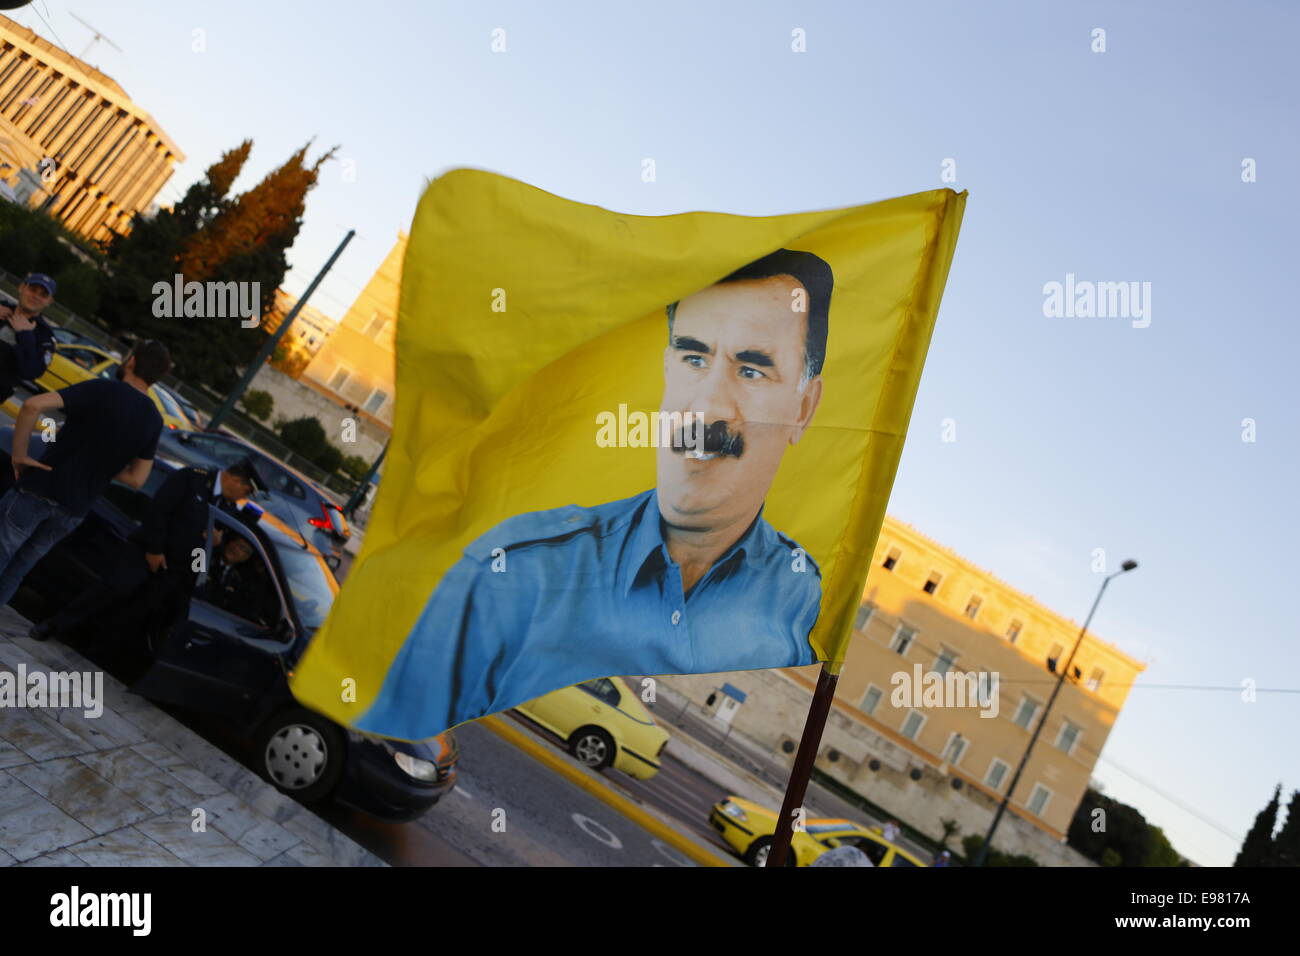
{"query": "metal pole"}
(354, 501)
(1060, 679)
(228, 405)
(803, 764)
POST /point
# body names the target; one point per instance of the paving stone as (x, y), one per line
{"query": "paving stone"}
(252, 831)
(125, 847)
(7, 860)
(142, 779)
(209, 847)
(58, 858)
(40, 737)
(82, 794)
(10, 756)
(284, 859)
(29, 824)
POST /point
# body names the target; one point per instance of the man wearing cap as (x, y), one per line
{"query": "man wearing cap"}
(26, 340)
(156, 581)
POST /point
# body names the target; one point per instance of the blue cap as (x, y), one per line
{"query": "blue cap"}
(42, 280)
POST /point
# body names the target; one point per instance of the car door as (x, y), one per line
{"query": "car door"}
(218, 659)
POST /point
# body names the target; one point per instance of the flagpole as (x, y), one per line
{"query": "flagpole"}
(800, 774)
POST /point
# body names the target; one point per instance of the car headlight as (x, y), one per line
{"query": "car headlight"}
(733, 811)
(415, 767)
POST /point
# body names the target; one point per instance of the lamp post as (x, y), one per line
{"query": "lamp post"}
(1060, 679)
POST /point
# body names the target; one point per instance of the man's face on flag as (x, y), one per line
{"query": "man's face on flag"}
(736, 360)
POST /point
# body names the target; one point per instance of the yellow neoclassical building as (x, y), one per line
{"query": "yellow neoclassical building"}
(947, 673)
(356, 364)
(71, 139)
(949, 627)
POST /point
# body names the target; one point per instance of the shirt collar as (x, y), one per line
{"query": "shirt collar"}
(647, 552)
(216, 483)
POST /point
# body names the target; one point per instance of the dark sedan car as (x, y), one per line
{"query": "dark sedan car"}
(293, 497)
(232, 656)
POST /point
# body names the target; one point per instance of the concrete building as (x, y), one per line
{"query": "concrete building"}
(356, 364)
(310, 330)
(947, 673)
(71, 139)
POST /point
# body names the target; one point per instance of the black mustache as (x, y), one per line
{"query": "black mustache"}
(717, 439)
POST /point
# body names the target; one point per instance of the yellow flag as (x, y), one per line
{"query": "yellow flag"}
(627, 445)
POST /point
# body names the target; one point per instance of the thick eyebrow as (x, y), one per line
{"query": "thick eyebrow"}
(755, 357)
(685, 343)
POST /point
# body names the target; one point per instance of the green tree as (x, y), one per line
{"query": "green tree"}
(1286, 846)
(148, 253)
(1257, 848)
(305, 436)
(32, 241)
(258, 403)
(971, 846)
(355, 466)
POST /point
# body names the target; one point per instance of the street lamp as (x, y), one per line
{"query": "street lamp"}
(1060, 679)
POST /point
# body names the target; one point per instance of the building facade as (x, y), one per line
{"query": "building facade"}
(72, 141)
(947, 674)
(356, 364)
(310, 330)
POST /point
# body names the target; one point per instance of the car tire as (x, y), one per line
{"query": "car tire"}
(593, 747)
(756, 855)
(301, 754)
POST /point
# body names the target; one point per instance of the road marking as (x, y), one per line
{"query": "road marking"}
(665, 850)
(597, 832)
(463, 792)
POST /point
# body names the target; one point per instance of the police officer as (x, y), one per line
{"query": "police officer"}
(234, 584)
(159, 577)
(26, 340)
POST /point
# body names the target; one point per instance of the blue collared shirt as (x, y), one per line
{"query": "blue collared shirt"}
(553, 598)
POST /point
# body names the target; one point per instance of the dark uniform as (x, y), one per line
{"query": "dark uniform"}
(175, 524)
(24, 355)
(241, 589)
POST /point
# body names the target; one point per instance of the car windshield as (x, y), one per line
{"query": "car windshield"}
(309, 584)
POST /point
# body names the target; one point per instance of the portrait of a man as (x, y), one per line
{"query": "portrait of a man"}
(685, 577)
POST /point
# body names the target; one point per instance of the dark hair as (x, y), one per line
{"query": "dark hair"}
(245, 469)
(152, 360)
(814, 274)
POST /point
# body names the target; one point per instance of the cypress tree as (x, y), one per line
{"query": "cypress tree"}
(1257, 848)
(1286, 848)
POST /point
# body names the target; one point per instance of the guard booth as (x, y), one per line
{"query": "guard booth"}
(724, 703)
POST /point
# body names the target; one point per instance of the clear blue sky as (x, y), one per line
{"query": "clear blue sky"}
(1072, 434)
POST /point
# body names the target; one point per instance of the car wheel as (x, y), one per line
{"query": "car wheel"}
(301, 753)
(593, 747)
(757, 853)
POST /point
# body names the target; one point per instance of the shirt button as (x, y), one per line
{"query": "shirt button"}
(677, 616)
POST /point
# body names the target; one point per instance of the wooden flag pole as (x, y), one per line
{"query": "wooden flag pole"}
(803, 764)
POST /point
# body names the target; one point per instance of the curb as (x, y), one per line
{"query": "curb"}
(547, 756)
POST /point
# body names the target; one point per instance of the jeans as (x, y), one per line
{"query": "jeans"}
(29, 527)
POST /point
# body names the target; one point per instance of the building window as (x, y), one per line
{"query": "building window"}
(1039, 799)
(871, 700)
(997, 773)
(375, 327)
(891, 559)
(339, 379)
(955, 747)
(973, 606)
(1095, 678)
(1025, 712)
(944, 661)
(912, 724)
(865, 610)
(932, 582)
(1068, 737)
(902, 639)
(376, 401)
(1054, 656)
(1013, 630)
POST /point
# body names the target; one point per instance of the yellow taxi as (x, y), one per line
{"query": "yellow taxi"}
(604, 724)
(748, 828)
(72, 363)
